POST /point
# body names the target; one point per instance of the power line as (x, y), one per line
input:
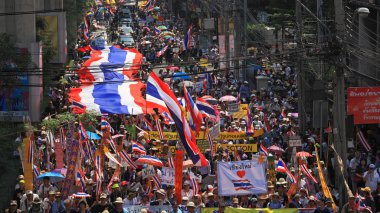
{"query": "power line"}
(32, 12)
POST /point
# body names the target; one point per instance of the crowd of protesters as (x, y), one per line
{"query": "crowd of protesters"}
(273, 108)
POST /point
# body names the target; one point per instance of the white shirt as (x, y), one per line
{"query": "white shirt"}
(371, 180)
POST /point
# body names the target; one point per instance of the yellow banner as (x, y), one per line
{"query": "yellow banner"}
(208, 210)
(234, 147)
(242, 113)
(250, 210)
(203, 62)
(28, 167)
(223, 135)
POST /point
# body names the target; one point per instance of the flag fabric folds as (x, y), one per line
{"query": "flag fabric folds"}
(125, 156)
(187, 39)
(162, 51)
(160, 93)
(263, 150)
(113, 98)
(206, 109)
(281, 167)
(306, 171)
(138, 148)
(191, 107)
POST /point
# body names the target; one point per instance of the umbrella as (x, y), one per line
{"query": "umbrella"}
(146, 42)
(187, 164)
(150, 160)
(275, 149)
(162, 27)
(167, 33)
(172, 68)
(62, 171)
(186, 83)
(228, 98)
(181, 76)
(168, 37)
(53, 176)
(81, 195)
(93, 135)
(304, 154)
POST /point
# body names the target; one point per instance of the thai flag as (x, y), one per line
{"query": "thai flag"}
(81, 182)
(283, 115)
(148, 125)
(137, 147)
(159, 129)
(266, 124)
(160, 93)
(210, 143)
(306, 171)
(162, 51)
(104, 125)
(148, 187)
(157, 181)
(98, 185)
(250, 130)
(242, 184)
(86, 29)
(110, 63)
(77, 107)
(363, 141)
(359, 204)
(263, 150)
(191, 107)
(206, 109)
(112, 144)
(281, 167)
(156, 30)
(167, 118)
(82, 132)
(124, 155)
(89, 150)
(152, 160)
(30, 151)
(194, 184)
(98, 163)
(171, 162)
(187, 39)
(36, 171)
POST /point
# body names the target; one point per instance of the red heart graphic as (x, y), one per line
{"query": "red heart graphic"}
(240, 173)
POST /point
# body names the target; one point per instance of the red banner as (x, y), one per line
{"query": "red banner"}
(178, 166)
(58, 154)
(364, 104)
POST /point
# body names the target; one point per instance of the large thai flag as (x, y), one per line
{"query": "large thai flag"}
(110, 64)
(191, 107)
(281, 167)
(125, 156)
(114, 98)
(160, 94)
(206, 109)
(187, 39)
(162, 51)
(137, 147)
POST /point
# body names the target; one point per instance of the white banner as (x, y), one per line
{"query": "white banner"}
(148, 172)
(241, 178)
(167, 176)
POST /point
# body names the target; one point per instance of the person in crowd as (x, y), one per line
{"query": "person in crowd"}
(322, 208)
(118, 205)
(368, 199)
(350, 205)
(27, 201)
(371, 178)
(13, 207)
(275, 202)
(102, 205)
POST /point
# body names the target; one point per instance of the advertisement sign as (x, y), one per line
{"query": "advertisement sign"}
(241, 178)
(167, 176)
(364, 104)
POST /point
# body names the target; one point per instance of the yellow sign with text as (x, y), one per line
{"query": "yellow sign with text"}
(173, 136)
(234, 147)
(242, 113)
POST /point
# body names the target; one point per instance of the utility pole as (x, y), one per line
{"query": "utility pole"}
(339, 109)
(300, 81)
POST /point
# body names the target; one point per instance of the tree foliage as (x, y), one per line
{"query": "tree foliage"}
(12, 54)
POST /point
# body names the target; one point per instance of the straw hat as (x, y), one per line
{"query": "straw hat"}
(190, 204)
(235, 200)
(162, 192)
(13, 203)
(119, 200)
(103, 195)
(281, 181)
(263, 197)
(37, 200)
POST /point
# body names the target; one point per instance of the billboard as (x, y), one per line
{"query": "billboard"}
(364, 104)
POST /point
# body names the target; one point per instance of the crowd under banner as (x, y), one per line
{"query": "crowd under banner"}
(222, 136)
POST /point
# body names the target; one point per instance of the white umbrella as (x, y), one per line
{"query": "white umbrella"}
(186, 83)
(228, 98)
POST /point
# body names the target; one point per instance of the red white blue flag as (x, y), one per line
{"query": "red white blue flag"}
(194, 184)
(162, 51)
(263, 150)
(306, 171)
(125, 156)
(281, 167)
(187, 39)
(157, 181)
(137, 147)
(191, 107)
(82, 132)
(363, 140)
(160, 93)
(159, 129)
(206, 109)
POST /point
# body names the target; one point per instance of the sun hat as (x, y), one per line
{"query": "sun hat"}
(190, 204)
(235, 200)
(13, 203)
(281, 181)
(103, 195)
(119, 200)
